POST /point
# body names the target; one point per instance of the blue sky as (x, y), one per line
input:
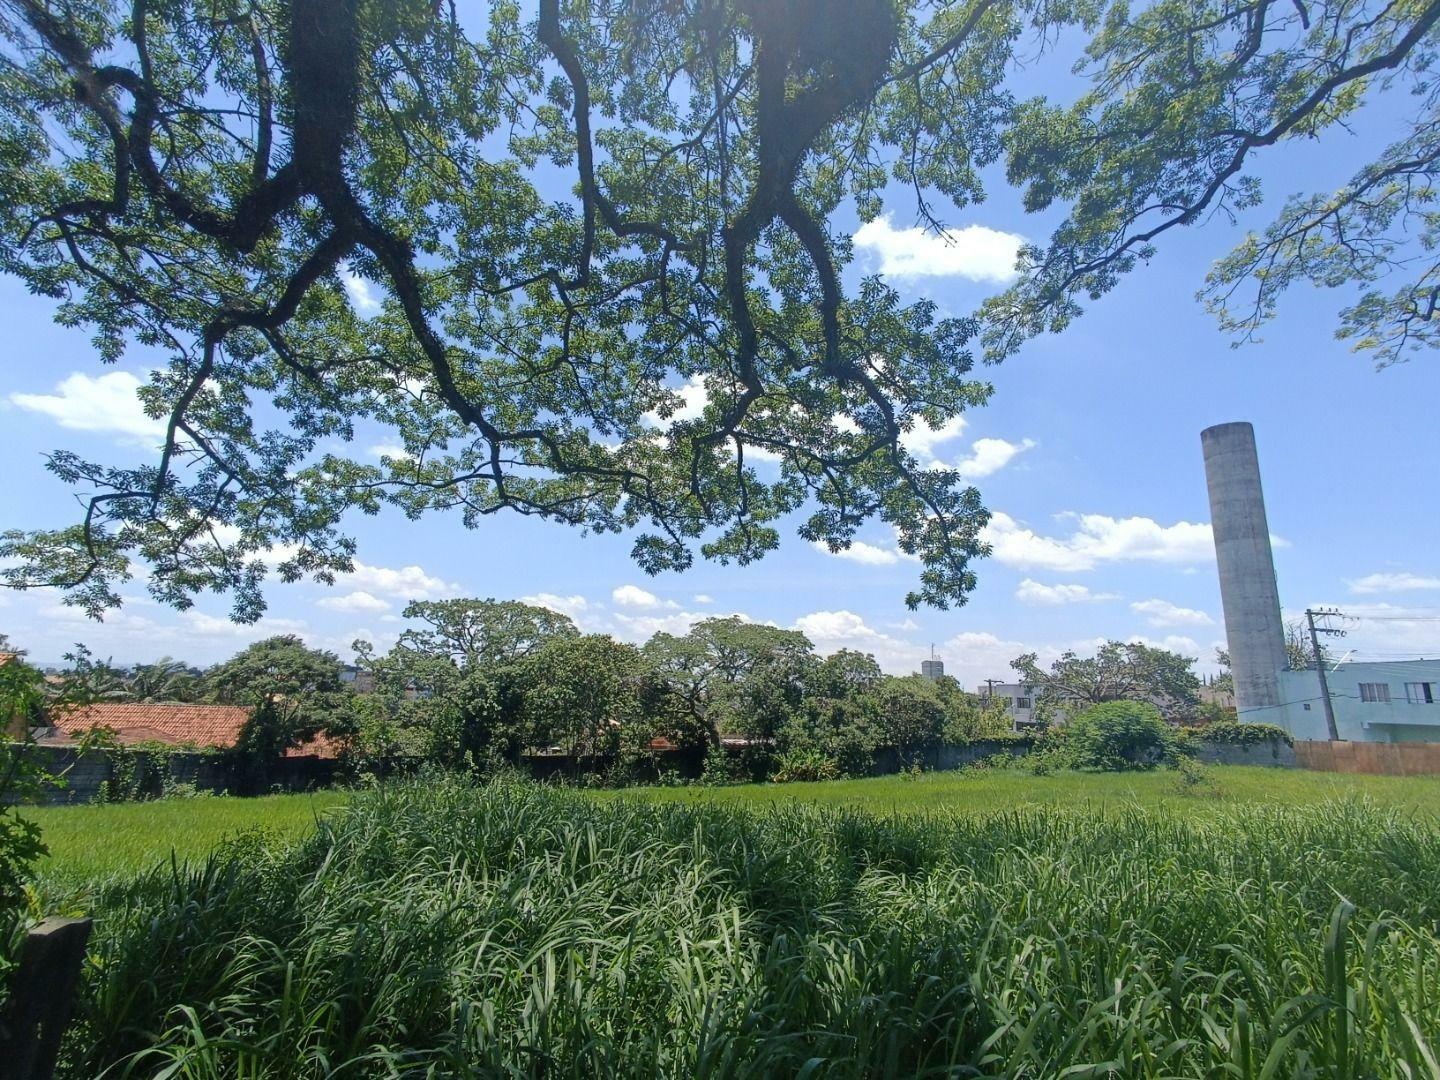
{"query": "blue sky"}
(1088, 455)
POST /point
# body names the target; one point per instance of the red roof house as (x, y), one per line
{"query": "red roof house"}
(171, 722)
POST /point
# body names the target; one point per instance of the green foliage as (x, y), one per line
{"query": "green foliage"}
(486, 929)
(1179, 99)
(486, 679)
(1117, 672)
(1212, 712)
(722, 767)
(22, 696)
(554, 242)
(735, 677)
(564, 213)
(913, 715)
(1241, 734)
(845, 732)
(293, 692)
(473, 633)
(1120, 735)
(1194, 780)
(583, 695)
(802, 765)
(164, 680)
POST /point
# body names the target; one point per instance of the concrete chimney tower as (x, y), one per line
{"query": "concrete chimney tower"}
(1253, 628)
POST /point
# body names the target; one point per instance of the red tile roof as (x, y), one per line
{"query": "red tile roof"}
(171, 722)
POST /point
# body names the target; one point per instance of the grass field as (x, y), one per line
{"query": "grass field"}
(996, 790)
(440, 929)
(88, 842)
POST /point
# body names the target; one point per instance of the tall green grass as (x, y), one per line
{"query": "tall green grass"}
(510, 930)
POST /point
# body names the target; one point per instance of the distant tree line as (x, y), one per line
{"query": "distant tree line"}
(481, 683)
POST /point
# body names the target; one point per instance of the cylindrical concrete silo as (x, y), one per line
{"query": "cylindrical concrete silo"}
(1248, 593)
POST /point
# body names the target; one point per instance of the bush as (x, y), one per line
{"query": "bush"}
(1237, 734)
(1119, 735)
(796, 766)
(1195, 780)
(1051, 752)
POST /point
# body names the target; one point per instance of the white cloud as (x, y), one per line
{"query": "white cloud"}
(1388, 583)
(693, 399)
(354, 602)
(198, 622)
(364, 295)
(922, 439)
(641, 628)
(989, 456)
(106, 404)
(830, 631)
(1164, 613)
(974, 252)
(573, 606)
(636, 597)
(52, 628)
(974, 656)
(861, 552)
(1098, 538)
(1185, 646)
(389, 450)
(407, 582)
(1034, 592)
(702, 598)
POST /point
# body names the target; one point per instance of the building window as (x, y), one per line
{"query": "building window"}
(1009, 702)
(1375, 691)
(1022, 703)
(1420, 693)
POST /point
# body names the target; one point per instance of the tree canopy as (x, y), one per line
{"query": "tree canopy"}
(1117, 672)
(294, 693)
(473, 632)
(560, 220)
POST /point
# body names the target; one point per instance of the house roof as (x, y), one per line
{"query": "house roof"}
(171, 722)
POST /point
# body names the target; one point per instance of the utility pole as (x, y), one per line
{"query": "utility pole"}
(989, 689)
(1315, 632)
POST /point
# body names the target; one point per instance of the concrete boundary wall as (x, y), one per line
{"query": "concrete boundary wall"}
(1380, 759)
(148, 774)
(1272, 753)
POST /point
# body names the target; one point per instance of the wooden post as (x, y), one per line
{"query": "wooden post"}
(42, 995)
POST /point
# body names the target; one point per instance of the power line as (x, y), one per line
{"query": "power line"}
(1394, 618)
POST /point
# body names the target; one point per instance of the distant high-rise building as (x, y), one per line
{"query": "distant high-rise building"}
(933, 668)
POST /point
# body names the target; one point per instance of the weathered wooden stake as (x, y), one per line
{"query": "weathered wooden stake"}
(42, 995)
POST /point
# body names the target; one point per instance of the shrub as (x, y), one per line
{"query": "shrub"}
(801, 765)
(990, 763)
(1051, 753)
(1119, 735)
(1237, 734)
(1194, 779)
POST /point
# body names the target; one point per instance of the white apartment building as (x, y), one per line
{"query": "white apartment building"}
(1018, 699)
